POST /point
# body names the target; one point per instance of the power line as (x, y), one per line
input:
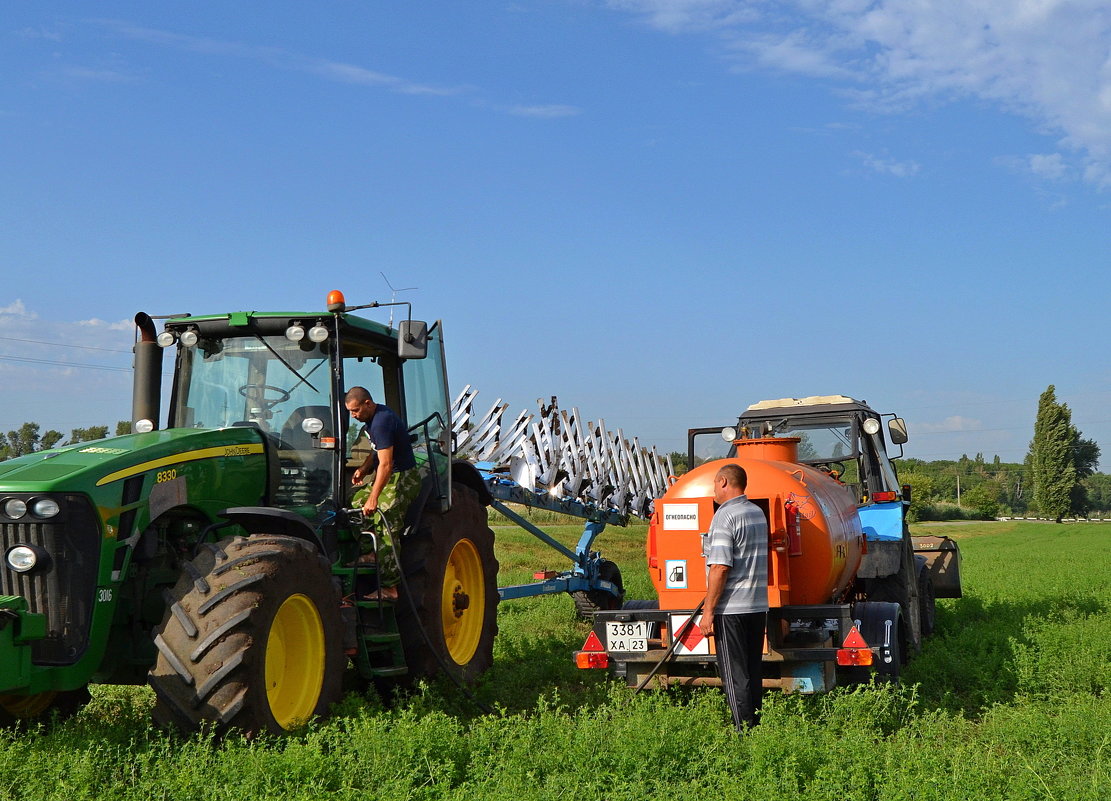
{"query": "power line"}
(66, 364)
(64, 344)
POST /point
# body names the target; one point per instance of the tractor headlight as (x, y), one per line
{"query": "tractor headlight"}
(15, 508)
(22, 558)
(45, 507)
(871, 425)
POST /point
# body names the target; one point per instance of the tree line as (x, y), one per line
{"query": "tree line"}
(27, 439)
(1058, 477)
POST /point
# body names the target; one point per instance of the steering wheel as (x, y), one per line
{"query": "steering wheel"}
(257, 392)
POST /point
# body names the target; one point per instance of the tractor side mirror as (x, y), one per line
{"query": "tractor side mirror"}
(412, 339)
(897, 429)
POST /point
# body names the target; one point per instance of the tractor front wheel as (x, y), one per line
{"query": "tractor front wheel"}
(251, 639)
(16, 710)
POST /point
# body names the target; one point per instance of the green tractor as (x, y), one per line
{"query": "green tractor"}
(218, 557)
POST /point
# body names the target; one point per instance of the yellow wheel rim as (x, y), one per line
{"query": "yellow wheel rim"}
(464, 602)
(294, 661)
(27, 706)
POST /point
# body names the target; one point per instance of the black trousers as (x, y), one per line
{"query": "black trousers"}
(740, 646)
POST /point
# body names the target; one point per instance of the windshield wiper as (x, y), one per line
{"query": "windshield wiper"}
(292, 369)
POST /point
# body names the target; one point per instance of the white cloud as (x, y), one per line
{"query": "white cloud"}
(546, 112)
(17, 309)
(40, 33)
(681, 16)
(96, 75)
(336, 71)
(1050, 166)
(946, 426)
(887, 166)
(1048, 60)
(120, 325)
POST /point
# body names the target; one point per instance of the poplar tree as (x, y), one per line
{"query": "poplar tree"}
(1052, 456)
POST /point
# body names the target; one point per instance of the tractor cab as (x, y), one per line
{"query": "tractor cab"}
(837, 434)
(285, 375)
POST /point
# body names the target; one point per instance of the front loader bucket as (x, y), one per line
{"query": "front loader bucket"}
(943, 560)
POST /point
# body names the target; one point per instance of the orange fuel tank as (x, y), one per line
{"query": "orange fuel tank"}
(815, 536)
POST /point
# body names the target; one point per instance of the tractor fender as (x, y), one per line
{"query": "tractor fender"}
(268, 520)
(879, 624)
(465, 473)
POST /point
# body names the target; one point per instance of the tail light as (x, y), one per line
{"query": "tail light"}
(854, 651)
(592, 655)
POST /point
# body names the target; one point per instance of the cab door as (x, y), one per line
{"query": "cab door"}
(428, 412)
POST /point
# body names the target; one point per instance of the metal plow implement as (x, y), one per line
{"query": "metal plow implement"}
(553, 460)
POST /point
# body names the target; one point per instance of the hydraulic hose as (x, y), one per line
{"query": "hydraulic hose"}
(420, 626)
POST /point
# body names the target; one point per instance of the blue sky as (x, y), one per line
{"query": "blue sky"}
(658, 211)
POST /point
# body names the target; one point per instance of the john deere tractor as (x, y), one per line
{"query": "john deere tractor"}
(217, 556)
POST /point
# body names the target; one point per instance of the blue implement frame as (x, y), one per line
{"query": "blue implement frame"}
(583, 575)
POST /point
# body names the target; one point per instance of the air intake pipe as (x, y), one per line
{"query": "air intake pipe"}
(146, 398)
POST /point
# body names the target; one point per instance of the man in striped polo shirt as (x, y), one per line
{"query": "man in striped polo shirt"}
(736, 609)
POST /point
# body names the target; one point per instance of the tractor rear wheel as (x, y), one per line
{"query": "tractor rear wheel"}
(927, 605)
(450, 591)
(17, 710)
(251, 638)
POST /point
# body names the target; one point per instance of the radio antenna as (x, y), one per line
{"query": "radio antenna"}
(395, 290)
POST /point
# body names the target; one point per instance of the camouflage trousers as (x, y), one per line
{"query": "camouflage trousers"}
(393, 502)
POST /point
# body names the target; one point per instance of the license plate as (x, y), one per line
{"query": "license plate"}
(628, 636)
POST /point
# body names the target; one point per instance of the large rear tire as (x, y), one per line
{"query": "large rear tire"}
(927, 604)
(251, 639)
(19, 710)
(450, 590)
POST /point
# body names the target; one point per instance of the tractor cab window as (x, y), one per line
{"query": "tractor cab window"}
(831, 446)
(366, 368)
(266, 382)
(707, 445)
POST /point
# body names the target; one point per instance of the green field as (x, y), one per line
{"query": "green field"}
(1010, 700)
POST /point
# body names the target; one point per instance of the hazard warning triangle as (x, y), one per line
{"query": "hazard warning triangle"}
(854, 640)
(593, 643)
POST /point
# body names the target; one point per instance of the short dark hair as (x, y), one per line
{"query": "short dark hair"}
(359, 394)
(735, 475)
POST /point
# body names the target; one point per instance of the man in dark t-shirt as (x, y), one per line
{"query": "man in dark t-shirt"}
(396, 480)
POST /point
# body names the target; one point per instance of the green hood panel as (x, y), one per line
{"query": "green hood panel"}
(91, 464)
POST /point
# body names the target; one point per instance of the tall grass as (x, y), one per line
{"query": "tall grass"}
(1009, 700)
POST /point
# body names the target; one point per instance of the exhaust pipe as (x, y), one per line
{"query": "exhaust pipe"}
(146, 397)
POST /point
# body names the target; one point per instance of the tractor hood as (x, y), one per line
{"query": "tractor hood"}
(105, 461)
